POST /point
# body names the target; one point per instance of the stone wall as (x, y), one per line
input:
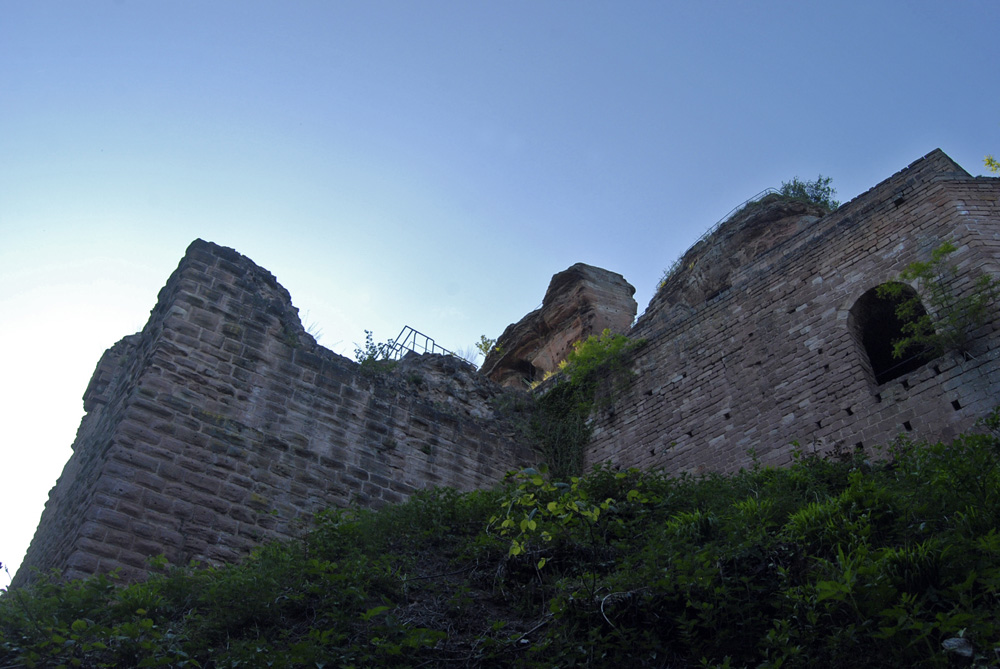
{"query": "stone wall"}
(223, 424)
(772, 355)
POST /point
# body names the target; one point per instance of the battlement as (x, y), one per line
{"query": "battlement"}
(223, 424)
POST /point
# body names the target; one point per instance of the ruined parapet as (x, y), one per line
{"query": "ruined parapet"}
(580, 301)
(223, 424)
(755, 343)
(707, 269)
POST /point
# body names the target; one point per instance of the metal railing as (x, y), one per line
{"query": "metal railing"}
(412, 340)
(669, 272)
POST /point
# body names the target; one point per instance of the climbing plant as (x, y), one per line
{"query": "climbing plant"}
(592, 375)
(952, 316)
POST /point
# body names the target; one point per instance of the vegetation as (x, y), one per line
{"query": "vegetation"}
(485, 345)
(951, 318)
(843, 562)
(591, 376)
(374, 357)
(992, 164)
(818, 192)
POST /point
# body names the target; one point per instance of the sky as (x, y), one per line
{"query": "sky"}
(429, 163)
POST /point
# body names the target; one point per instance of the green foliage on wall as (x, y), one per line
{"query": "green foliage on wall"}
(853, 562)
(951, 314)
(594, 372)
(485, 345)
(818, 191)
(374, 356)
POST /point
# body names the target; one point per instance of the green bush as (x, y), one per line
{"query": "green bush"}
(818, 192)
(952, 317)
(591, 377)
(844, 562)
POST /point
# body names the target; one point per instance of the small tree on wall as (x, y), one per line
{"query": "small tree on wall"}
(818, 192)
(950, 320)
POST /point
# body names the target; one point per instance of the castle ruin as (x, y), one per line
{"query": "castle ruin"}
(223, 424)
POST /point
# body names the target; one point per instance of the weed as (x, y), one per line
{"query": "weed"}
(953, 317)
(823, 564)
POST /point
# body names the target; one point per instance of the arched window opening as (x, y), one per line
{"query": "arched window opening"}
(874, 323)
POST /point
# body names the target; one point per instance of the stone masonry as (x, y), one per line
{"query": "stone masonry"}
(223, 423)
(773, 353)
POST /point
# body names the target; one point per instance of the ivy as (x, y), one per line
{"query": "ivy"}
(591, 377)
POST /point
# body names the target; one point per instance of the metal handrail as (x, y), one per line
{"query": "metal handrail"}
(711, 231)
(412, 340)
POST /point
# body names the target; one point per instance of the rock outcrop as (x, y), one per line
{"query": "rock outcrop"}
(580, 301)
(706, 270)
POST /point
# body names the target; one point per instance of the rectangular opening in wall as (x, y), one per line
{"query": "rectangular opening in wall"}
(860, 446)
(849, 411)
(907, 426)
(905, 384)
(955, 405)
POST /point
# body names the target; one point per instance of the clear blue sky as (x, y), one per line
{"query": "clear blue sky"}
(422, 163)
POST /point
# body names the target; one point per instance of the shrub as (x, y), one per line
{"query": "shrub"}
(818, 192)
(952, 317)
(827, 563)
(591, 376)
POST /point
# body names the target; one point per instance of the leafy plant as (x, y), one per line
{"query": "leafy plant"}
(372, 351)
(486, 346)
(818, 192)
(830, 563)
(952, 317)
(374, 357)
(591, 376)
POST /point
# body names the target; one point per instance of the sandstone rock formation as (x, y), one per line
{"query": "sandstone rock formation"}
(705, 271)
(580, 301)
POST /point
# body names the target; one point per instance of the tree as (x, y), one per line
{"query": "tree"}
(818, 192)
(485, 345)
